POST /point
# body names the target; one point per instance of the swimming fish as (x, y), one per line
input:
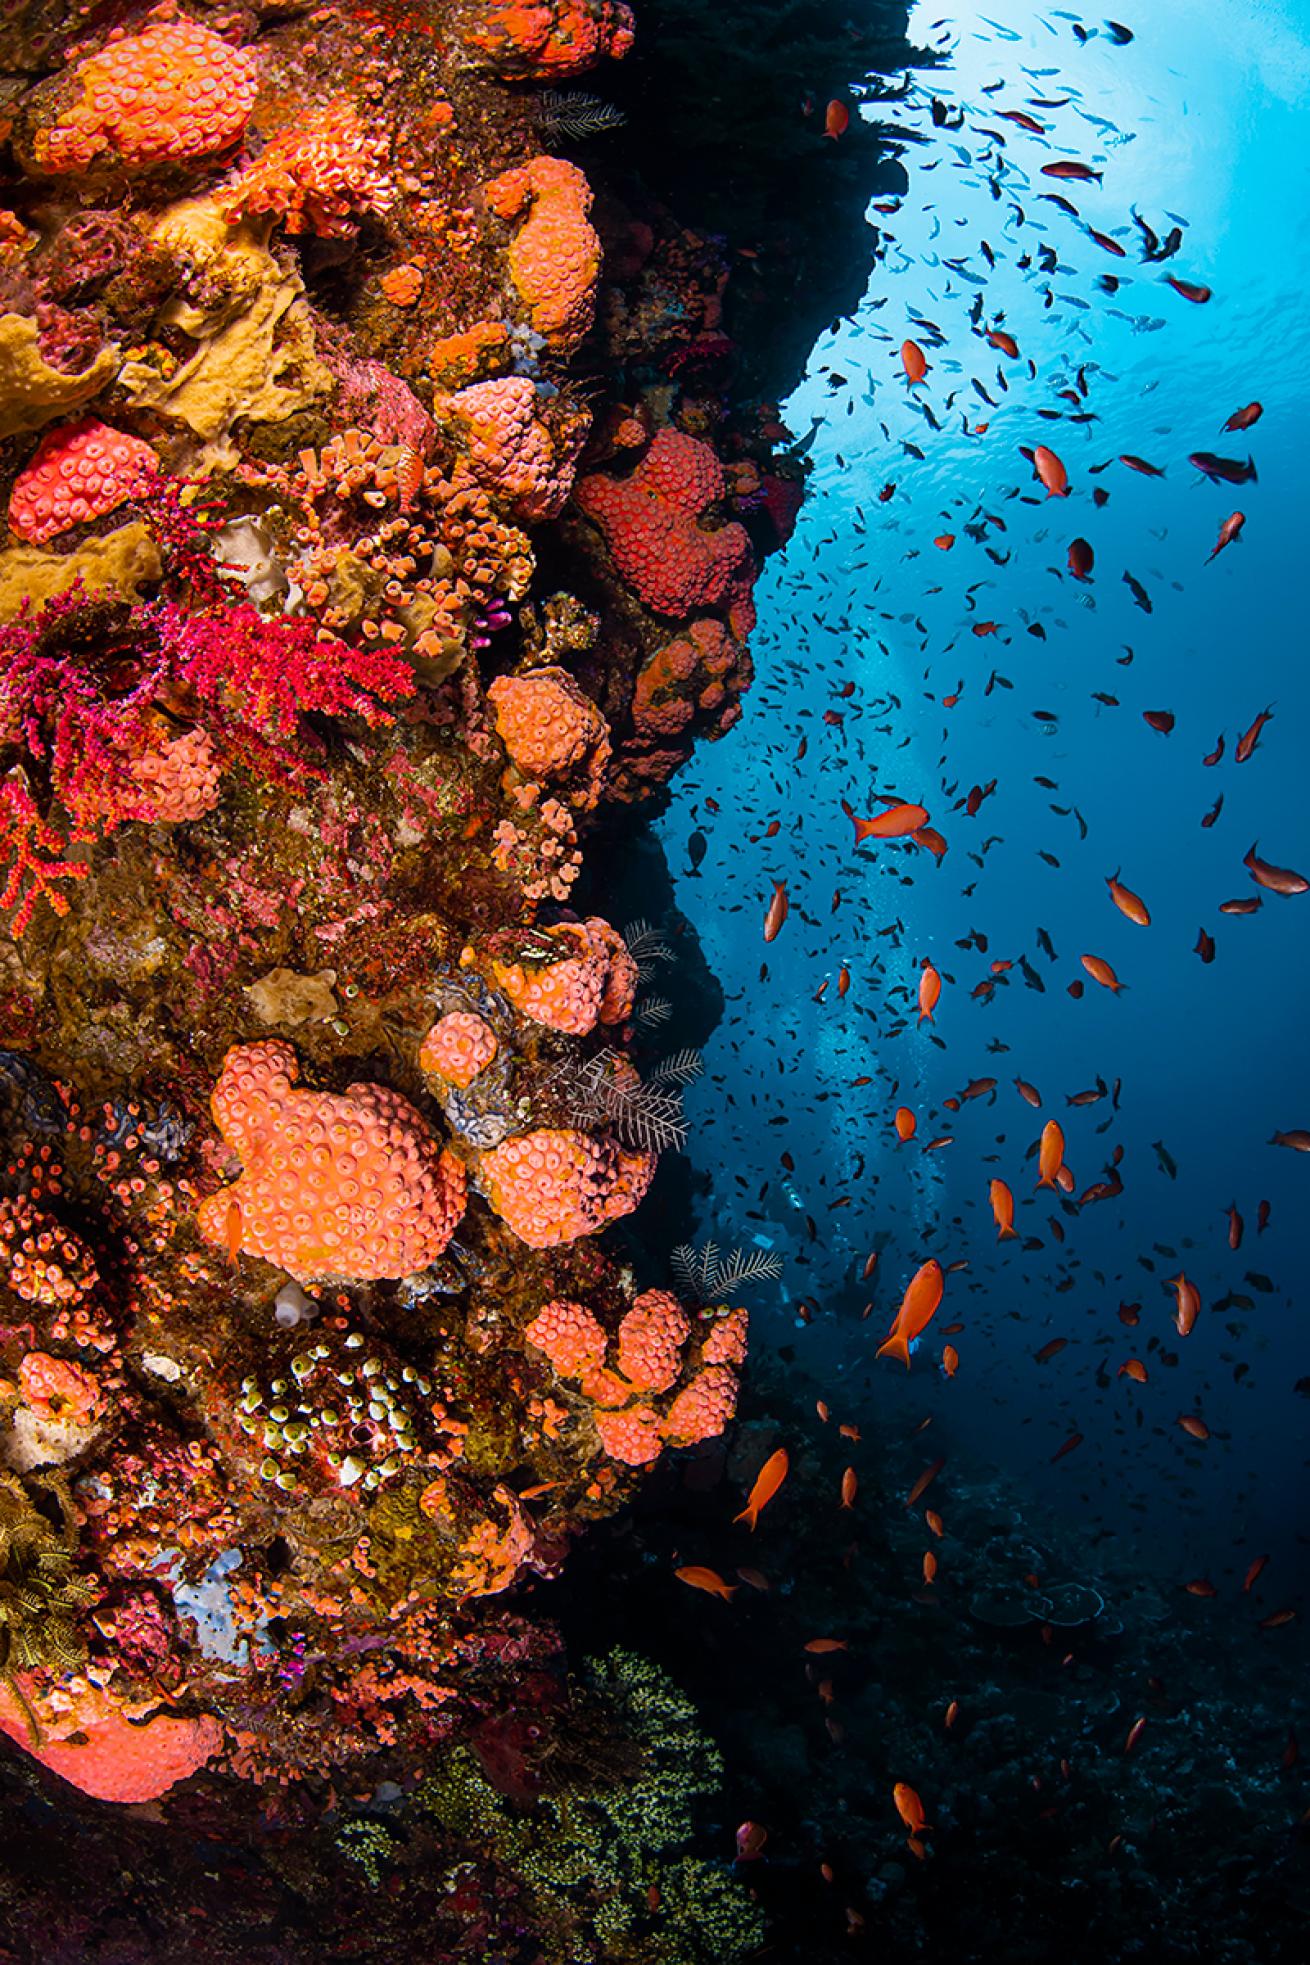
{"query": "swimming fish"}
(919, 1306)
(1228, 531)
(1051, 472)
(914, 361)
(708, 1580)
(1279, 880)
(1002, 1201)
(767, 1482)
(777, 911)
(1050, 1153)
(930, 989)
(1188, 1303)
(910, 1809)
(1128, 903)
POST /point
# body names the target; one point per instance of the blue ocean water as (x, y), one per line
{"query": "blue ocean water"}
(865, 627)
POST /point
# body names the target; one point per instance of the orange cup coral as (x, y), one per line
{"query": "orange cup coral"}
(458, 1047)
(553, 1186)
(546, 40)
(554, 257)
(348, 1184)
(79, 472)
(552, 731)
(173, 94)
(596, 983)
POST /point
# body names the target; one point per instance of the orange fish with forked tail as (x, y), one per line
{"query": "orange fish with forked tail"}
(708, 1580)
(897, 822)
(767, 1482)
(914, 361)
(1050, 1154)
(930, 989)
(1002, 1201)
(918, 1308)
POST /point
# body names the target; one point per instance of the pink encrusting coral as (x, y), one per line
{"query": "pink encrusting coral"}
(547, 40)
(56, 1388)
(726, 1343)
(346, 1184)
(596, 982)
(653, 523)
(634, 1436)
(552, 731)
(458, 1048)
(703, 1408)
(554, 257)
(80, 471)
(651, 1338)
(569, 1335)
(510, 451)
(555, 1185)
(177, 779)
(317, 175)
(96, 1747)
(175, 93)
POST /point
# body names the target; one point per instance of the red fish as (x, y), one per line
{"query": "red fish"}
(1140, 464)
(1081, 559)
(1242, 419)
(1106, 243)
(906, 1123)
(777, 913)
(910, 1809)
(1188, 1301)
(930, 989)
(1189, 289)
(1073, 172)
(1279, 880)
(1247, 742)
(1005, 342)
(914, 360)
(837, 120)
(1228, 531)
(1051, 472)
(919, 1306)
(1161, 720)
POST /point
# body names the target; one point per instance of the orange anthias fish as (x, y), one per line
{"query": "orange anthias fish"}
(950, 1360)
(767, 1482)
(1188, 1299)
(837, 121)
(1248, 740)
(1133, 1368)
(850, 1487)
(1051, 472)
(895, 823)
(234, 1230)
(1128, 902)
(914, 361)
(906, 1123)
(1228, 531)
(930, 989)
(1002, 1201)
(924, 1482)
(910, 1809)
(777, 913)
(1050, 1154)
(1242, 419)
(1279, 880)
(708, 1580)
(1100, 971)
(919, 1306)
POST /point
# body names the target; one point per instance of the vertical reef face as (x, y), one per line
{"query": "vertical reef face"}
(383, 493)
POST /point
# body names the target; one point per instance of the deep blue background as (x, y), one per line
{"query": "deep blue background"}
(1202, 118)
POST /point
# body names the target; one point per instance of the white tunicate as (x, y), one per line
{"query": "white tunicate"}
(291, 1306)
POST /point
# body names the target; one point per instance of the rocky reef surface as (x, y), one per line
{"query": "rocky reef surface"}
(385, 466)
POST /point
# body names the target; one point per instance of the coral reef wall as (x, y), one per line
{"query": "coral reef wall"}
(382, 495)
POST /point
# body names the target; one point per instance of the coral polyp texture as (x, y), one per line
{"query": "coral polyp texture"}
(175, 93)
(80, 471)
(548, 40)
(374, 540)
(353, 1185)
(554, 253)
(653, 523)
